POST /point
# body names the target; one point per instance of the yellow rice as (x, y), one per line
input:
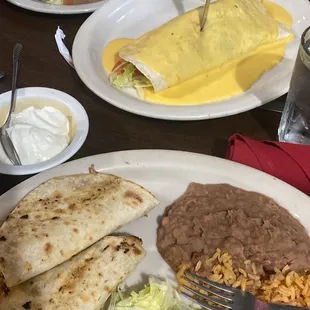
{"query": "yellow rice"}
(284, 286)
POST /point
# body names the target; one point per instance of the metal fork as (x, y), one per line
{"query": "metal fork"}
(228, 297)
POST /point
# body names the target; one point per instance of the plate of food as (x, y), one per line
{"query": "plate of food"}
(59, 6)
(150, 58)
(128, 224)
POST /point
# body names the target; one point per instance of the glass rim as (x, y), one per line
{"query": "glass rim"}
(303, 40)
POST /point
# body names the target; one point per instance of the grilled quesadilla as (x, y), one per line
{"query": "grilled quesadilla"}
(178, 50)
(84, 282)
(62, 217)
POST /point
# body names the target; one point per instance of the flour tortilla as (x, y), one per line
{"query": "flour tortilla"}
(178, 50)
(62, 217)
(84, 282)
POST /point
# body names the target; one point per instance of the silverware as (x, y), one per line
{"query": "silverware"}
(204, 15)
(226, 297)
(1, 74)
(6, 142)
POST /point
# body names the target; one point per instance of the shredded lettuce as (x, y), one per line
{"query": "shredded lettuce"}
(157, 295)
(128, 77)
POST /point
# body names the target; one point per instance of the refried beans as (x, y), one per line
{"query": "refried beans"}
(248, 225)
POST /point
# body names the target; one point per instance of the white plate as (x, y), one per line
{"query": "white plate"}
(167, 174)
(131, 18)
(39, 6)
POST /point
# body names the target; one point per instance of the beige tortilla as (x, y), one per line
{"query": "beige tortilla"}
(84, 282)
(62, 217)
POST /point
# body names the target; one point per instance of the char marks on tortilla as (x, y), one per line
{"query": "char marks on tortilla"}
(82, 283)
(62, 217)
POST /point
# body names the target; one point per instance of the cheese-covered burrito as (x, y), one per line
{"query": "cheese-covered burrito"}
(178, 50)
(82, 283)
(62, 217)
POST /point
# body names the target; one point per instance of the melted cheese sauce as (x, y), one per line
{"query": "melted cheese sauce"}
(231, 79)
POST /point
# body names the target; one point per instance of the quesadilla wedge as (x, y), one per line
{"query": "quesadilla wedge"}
(62, 217)
(178, 50)
(84, 282)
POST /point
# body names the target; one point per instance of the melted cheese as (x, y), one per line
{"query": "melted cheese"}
(223, 82)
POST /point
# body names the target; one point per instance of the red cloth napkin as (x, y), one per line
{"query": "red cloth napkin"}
(286, 161)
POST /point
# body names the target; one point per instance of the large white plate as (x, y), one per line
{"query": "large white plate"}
(131, 18)
(167, 174)
(39, 6)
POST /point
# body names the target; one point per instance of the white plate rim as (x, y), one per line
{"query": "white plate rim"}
(243, 102)
(158, 158)
(36, 6)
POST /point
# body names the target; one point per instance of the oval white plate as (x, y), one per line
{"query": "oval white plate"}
(39, 6)
(78, 113)
(132, 18)
(167, 174)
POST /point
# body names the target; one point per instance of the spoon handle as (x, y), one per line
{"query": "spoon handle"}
(18, 48)
(204, 15)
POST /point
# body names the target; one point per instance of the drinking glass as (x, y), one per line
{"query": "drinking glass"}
(295, 122)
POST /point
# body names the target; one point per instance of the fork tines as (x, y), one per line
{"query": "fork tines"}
(223, 294)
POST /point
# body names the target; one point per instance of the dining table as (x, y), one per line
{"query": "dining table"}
(111, 129)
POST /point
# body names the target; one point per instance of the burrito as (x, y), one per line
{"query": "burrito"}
(62, 217)
(84, 282)
(178, 50)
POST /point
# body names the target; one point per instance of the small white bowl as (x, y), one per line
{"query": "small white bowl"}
(81, 127)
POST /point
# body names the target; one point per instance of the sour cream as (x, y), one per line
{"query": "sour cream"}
(37, 134)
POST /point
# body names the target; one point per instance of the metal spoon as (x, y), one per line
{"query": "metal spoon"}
(1, 74)
(204, 15)
(6, 142)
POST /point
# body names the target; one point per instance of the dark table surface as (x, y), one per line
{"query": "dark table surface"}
(111, 129)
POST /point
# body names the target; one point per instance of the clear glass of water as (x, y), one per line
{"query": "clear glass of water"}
(295, 122)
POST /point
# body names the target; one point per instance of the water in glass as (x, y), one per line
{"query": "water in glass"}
(295, 122)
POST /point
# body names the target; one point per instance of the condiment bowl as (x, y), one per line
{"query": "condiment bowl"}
(62, 100)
